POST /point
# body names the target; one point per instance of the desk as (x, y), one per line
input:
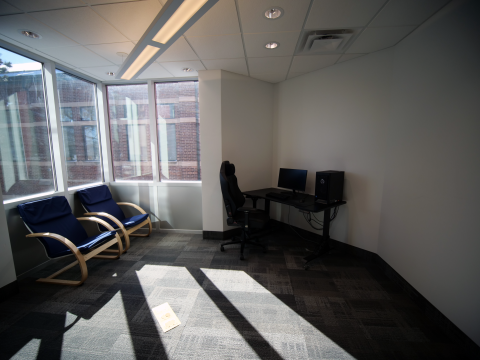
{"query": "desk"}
(308, 204)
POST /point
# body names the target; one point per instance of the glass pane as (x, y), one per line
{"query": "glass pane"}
(25, 158)
(130, 132)
(80, 131)
(178, 126)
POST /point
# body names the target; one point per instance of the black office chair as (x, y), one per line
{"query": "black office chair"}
(251, 220)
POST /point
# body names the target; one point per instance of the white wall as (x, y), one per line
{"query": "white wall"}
(335, 119)
(209, 89)
(404, 124)
(430, 222)
(7, 267)
(242, 134)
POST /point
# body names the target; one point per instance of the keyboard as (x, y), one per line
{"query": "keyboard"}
(277, 196)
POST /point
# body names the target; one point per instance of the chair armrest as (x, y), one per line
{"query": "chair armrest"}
(108, 216)
(132, 205)
(61, 239)
(97, 220)
(108, 226)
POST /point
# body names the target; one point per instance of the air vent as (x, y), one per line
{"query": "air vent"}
(324, 41)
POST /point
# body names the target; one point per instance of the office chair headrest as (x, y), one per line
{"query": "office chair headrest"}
(229, 169)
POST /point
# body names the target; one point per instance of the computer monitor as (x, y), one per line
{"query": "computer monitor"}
(292, 179)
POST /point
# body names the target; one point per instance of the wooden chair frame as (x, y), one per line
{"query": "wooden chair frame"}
(81, 258)
(124, 232)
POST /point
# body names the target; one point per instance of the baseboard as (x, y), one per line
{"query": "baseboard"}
(429, 310)
(221, 235)
(9, 290)
(179, 231)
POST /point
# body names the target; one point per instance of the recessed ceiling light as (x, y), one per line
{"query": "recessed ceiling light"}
(271, 45)
(30, 34)
(273, 13)
(187, 69)
(109, 73)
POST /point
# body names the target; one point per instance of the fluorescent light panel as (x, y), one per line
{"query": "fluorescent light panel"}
(141, 60)
(178, 19)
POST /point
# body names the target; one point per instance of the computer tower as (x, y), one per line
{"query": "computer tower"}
(329, 186)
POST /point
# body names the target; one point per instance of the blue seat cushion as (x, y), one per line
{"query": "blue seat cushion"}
(89, 244)
(93, 195)
(134, 220)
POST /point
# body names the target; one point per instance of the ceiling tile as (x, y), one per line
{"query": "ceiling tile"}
(100, 72)
(270, 77)
(109, 51)
(221, 19)
(176, 68)
(6, 9)
(269, 64)
(347, 57)
(255, 44)
(132, 19)
(178, 51)
(374, 39)
(295, 74)
(9, 26)
(252, 15)
(82, 25)
(38, 5)
(238, 66)
(217, 47)
(155, 71)
(336, 14)
(407, 12)
(312, 62)
(78, 56)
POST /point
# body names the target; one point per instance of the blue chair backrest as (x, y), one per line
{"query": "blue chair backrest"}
(52, 215)
(99, 199)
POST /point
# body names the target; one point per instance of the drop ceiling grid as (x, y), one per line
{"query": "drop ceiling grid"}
(109, 29)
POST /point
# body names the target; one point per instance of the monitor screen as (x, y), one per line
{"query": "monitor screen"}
(292, 179)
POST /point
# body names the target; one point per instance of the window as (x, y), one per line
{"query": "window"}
(91, 143)
(170, 139)
(66, 114)
(88, 113)
(178, 126)
(69, 143)
(82, 149)
(130, 132)
(25, 156)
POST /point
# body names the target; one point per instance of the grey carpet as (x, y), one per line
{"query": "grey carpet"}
(266, 307)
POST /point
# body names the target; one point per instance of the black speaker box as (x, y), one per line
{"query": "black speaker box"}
(329, 186)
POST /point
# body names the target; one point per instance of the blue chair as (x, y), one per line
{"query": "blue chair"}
(51, 221)
(98, 202)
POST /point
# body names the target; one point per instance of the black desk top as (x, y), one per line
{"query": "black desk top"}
(308, 204)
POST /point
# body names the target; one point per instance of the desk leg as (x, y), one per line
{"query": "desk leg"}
(267, 207)
(324, 246)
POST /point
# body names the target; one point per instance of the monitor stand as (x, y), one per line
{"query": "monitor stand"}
(293, 193)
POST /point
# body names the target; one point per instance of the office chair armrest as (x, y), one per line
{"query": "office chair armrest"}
(132, 205)
(254, 199)
(248, 209)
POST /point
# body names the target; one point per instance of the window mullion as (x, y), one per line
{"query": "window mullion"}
(153, 130)
(104, 133)
(56, 127)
